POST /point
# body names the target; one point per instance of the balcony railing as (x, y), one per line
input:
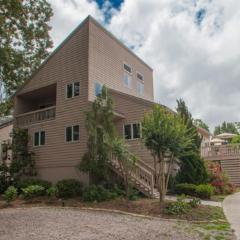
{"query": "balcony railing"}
(36, 116)
(229, 150)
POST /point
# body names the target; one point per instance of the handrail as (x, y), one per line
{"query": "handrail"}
(36, 111)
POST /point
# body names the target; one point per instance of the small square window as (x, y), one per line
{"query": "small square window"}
(68, 134)
(128, 131)
(140, 76)
(76, 89)
(98, 89)
(69, 91)
(127, 68)
(140, 88)
(136, 130)
(127, 79)
(39, 138)
(76, 133)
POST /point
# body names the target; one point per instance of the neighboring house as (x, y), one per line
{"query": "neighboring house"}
(205, 135)
(53, 103)
(6, 125)
(222, 151)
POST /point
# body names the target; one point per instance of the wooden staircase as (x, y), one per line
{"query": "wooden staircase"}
(142, 178)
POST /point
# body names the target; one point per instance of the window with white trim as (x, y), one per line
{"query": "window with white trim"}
(127, 68)
(73, 90)
(98, 88)
(39, 138)
(132, 131)
(127, 80)
(140, 88)
(72, 133)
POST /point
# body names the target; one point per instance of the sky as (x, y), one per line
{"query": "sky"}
(192, 45)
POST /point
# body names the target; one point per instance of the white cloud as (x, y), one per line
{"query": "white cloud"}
(198, 62)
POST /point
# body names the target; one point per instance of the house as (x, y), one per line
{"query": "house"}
(6, 125)
(52, 104)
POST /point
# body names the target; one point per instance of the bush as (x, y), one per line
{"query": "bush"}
(52, 192)
(24, 183)
(195, 202)
(4, 180)
(98, 193)
(204, 191)
(33, 191)
(69, 188)
(10, 194)
(179, 207)
(186, 188)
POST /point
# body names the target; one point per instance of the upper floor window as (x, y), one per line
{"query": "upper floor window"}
(132, 131)
(72, 133)
(127, 68)
(140, 88)
(98, 89)
(73, 90)
(127, 80)
(39, 138)
(140, 76)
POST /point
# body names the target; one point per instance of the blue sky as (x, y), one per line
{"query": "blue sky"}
(192, 45)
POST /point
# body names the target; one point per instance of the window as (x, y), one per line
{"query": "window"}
(127, 68)
(136, 130)
(73, 90)
(127, 79)
(140, 88)
(39, 138)
(127, 131)
(132, 131)
(140, 76)
(72, 133)
(98, 89)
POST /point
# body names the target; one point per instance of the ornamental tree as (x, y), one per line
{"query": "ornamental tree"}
(166, 136)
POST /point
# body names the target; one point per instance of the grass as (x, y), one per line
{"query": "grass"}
(218, 198)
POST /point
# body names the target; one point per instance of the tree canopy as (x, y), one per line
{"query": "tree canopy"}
(201, 124)
(24, 41)
(226, 127)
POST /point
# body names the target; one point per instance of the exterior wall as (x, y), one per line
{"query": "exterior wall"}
(106, 58)
(58, 159)
(133, 108)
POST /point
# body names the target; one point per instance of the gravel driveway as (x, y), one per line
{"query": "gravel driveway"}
(73, 224)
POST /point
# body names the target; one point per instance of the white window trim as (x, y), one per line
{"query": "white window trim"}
(39, 138)
(131, 124)
(137, 72)
(65, 134)
(140, 82)
(131, 82)
(66, 89)
(125, 63)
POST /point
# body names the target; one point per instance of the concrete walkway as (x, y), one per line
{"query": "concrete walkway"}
(203, 202)
(231, 207)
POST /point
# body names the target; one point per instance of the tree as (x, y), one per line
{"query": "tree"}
(24, 41)
(126, 161)
(192, 167)
(201, 124)
(101, 131)
(166, 135)
(235, 140)
(226, 127)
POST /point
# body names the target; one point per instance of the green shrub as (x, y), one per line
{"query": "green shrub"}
(10, 194)
(186, 188)
(98, 193)
(204, 191)
(195, 202)
(52, 192)
(33, 191)
(24, 183)
(68, 188)
(178, 207)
